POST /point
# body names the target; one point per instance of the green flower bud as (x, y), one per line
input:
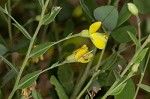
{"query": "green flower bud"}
(135, 67)
(37, 18)
(132, 8)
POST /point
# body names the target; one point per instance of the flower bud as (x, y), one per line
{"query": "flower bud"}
(37, 18)
(77, 12)
(135, 67)
(132, 8)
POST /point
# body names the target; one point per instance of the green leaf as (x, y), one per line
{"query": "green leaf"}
(28, 79)
(121, 35)
(118, 89)
(85, 8)
(144, 87)
(134, 39)
(65, 76)
(50, 17)
(9, 76)
(40, 49)
(109, 79)
(140, 56)
(22, 29)
(41, 2)
(143, 6)
(128, 92)
(36, 95)
(59, 89)
(124, 15)
(9, 64)
(107, 65)
(108, 15)
(3, 49)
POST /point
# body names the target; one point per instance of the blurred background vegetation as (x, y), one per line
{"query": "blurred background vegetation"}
(71, 19)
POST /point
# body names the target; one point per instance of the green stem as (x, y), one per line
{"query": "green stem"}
(64, 62)
(138, 51)
(75, 35)
(115, 86)
(101, 56)
(44, 33)
(89, 83)
(82, 79)
(142, 75)
(29, 50)
(99, 61)
(95, 74)
(139, 28)
(127, 68)
(9, 24)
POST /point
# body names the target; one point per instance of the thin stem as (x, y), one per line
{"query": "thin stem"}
(75, 35)
(89, 83)
(139, 28)
(127, 68)
(101, 56)
(138, 51)
(82, 79)
(44, 33)
(64, 62)
(142, 75)
(95, 74)
(119, 52)
(114, 86)
(29, 50)
(99, 61)
(9, 24)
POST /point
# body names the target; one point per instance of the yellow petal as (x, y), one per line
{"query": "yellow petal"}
(80, 52)
(99, 40)
(94, 27)
(86, 57)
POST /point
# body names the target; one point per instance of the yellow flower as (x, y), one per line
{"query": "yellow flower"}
(81, 55)
(98, 39)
